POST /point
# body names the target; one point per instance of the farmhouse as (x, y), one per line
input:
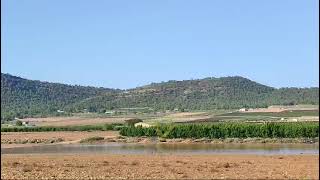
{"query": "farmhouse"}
(243, 110)
(109, 112)
(142, 124)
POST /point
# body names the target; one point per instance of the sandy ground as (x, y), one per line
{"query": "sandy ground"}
(68, 121)
(282, 108)
(66, 136)
(187, 114)
(160, 166)
(191, 118)
(266, 110)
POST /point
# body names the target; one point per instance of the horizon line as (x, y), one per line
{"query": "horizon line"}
(124, 89)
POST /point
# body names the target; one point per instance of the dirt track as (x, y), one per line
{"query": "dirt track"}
(160, 166)
(72, 121)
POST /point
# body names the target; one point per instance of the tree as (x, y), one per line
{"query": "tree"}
(18, 123)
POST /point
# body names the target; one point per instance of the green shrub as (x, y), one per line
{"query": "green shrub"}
(92, 139)
(18, 123)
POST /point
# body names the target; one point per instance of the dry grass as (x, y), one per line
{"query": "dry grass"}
(187, 114)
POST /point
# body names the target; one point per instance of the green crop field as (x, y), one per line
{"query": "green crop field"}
(227, 130)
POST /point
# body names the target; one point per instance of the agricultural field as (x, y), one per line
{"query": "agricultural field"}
(73, 121)
(227, 130)
(283, 116)
(197, 129)
(105, 166)
(300, 113)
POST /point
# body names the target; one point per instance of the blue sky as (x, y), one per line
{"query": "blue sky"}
(124, 43)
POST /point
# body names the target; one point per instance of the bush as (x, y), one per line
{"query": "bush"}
(18, 123)
(92, 139)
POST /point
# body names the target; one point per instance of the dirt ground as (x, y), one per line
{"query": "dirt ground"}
(69, 121)
(187, 114)
(66, 136)
(24, 139)
(283, 108)
(159, 166)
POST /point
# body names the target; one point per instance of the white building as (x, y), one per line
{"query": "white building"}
(243, 110)
(142, 124)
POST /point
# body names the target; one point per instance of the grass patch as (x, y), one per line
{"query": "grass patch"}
(92, 139)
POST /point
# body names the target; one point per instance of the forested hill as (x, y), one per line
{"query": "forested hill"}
(21, 97)
(202, 94)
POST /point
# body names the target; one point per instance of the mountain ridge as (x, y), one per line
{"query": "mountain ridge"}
(24, 98)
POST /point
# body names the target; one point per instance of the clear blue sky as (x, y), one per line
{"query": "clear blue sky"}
(125, 43)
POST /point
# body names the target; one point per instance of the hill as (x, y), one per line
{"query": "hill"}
(22, 97)
(202, 94)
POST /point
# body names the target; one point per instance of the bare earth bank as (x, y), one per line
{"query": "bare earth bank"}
(159, 166)
(23, 139)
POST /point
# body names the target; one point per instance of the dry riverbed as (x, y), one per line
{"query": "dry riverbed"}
(159, 166)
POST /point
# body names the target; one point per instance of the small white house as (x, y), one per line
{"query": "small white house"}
(243, 110)
(109, 112)
(60, 111)
(142, 124)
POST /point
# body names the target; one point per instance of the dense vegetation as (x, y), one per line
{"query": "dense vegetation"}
(227, 130)
(24, 98)
(104, 127)
(204, 94)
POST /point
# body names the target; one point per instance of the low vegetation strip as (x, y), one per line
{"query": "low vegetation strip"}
(104, 127)
(92, 139)
(227, 130)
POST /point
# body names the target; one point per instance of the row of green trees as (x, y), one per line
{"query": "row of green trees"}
(227, 130)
